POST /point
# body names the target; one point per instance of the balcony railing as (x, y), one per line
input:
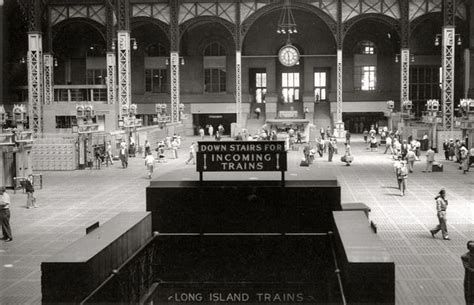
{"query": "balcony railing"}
(70, 93)
(80, 93)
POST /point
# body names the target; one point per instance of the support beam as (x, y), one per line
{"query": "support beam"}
(35, 82)
(174, 87)
(111, 78)
(339, 122)
(448, 54)
(238, 87)
(404, 76)
(124, 86)
(48, 79)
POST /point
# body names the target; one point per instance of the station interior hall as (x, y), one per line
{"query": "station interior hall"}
(276, 130)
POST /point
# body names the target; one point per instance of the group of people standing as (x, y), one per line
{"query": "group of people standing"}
(457, 151)
(210, 129)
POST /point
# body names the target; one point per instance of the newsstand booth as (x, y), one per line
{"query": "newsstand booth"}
(252, 242)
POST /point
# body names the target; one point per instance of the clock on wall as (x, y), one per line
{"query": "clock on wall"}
(289, 55)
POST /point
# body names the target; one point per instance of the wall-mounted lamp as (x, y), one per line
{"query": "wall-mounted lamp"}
(390, 105)
(181, 61)
(439, 36)
(132, 40)
(24, 60)
(397, 58)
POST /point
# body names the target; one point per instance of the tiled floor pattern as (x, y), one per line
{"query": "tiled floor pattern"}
(428, 271)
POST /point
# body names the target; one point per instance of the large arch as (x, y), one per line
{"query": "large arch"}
(97, 26)
(387, 20)
(140, 21)
(247, 23)
(197, 21)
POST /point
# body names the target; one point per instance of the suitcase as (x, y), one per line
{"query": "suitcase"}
(304, 163)
(437, 167)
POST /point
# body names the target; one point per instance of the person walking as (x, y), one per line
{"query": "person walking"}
(330, 150)
(430, 157)
(388, 145)
(348, 137)
(201, 133)
(468, 264)
(210, 129)
(347, 158)
(109, 155)
(123, 154)
(441, 206)
(5, 215)
(29, 189)
(192, 154)
(322, 132)
(446, 149)
(147, 148)
(464, 158)
(411, 158)
(402, 177)
(150, 164)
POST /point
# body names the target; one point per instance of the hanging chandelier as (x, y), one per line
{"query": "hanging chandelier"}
(286, 23)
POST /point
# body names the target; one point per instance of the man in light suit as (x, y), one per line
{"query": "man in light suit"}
(430, 157)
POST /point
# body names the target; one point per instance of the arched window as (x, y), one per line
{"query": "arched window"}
(366, 47)
(214, 49)
(156, 50)
(215, 77)
(365, 66)
(156, 73)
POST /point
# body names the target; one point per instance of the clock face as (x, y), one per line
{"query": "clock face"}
(289, 55)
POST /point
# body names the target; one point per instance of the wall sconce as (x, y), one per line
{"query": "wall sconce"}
(397, 58)
(132, 40)
(407, 105)
(390, 105)
(181, 61)
(438, 37)
(432, 105)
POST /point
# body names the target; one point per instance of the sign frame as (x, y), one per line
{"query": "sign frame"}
(241, 156)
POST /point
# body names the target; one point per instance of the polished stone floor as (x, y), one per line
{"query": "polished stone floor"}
(428, 271)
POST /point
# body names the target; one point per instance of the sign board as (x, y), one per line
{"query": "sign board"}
(239, 156)
(245, 294)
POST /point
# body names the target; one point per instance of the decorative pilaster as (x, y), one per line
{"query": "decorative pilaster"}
(238, 87)
(448, 76)
(124, 86)
(404, 76)
(111, 78)
(174, 87)
(35, 82)
(48, 78)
